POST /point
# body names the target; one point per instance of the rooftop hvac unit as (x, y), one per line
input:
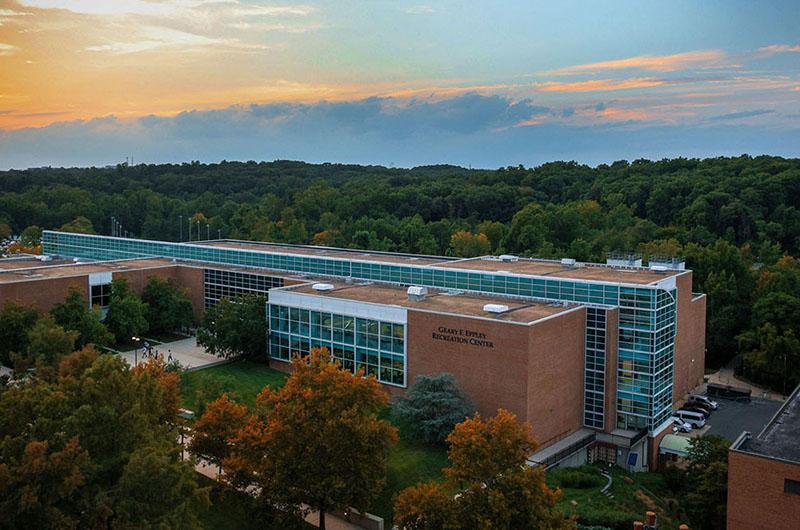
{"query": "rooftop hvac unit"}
(417, 293)
(508, 257)
(495, 308)
(322, 286)
(567, 262)
(659, 268)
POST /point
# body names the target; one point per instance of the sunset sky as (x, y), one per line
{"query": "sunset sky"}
(87, 82)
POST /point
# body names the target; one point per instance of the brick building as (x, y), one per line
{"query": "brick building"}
(594, 356)
(764, 473)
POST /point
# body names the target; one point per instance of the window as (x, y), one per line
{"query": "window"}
(101, 295)
(791, 486)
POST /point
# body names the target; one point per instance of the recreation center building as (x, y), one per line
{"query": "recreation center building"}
(594, 356)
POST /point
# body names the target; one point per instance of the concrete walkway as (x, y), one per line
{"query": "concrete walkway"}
(725, 376)
(186, 351)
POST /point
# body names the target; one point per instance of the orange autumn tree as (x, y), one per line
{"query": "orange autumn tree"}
(219, 423)
(495, 486)
(317, 443)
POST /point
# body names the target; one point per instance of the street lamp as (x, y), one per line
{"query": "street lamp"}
(136, 351)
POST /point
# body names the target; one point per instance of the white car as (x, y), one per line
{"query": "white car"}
(678, 425)
(703, 400)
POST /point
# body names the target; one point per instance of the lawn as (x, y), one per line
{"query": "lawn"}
(633, 495)
(241, 379)
(408, 462)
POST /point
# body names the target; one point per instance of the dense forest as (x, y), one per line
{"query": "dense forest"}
(735, 220)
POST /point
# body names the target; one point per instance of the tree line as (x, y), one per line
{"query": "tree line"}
(735, 220)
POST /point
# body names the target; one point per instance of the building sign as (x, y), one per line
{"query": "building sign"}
(462, 336)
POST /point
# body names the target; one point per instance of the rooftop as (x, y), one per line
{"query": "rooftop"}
(23, 271)
(580, 271)
(328, 252)
(67, 268)
(25, 262)
(438, 301)
(779, 438)
(526, 266)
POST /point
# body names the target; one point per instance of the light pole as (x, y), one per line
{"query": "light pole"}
(180, 223)
(189, 219)
(136, 351)
(198, 229)
(208, 231)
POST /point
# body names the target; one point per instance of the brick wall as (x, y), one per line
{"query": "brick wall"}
(756, 499)
(690, 339)
(556, 376)
(43, 295)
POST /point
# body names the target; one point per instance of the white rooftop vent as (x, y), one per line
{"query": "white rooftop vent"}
(567, 262)
(44, 258)
(323, 287)
(495, 308)
(417, 293)
(508, 257)
(658, 268)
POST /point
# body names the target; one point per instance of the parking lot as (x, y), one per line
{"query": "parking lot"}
(733, 417)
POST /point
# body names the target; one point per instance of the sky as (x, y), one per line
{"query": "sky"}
(402, 83)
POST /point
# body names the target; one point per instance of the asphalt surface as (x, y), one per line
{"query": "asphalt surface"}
(733, 417)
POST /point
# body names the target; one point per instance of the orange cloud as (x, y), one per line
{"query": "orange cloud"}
(652, 63)
(597, 85)
(779, 48)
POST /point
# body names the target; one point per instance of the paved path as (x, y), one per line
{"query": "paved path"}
(186, 351)
(725, 376)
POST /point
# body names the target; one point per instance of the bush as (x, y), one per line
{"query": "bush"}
(432, 407)
(578, 478)
(608, 517)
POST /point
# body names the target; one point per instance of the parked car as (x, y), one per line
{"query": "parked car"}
(697, 408)
(695, 419)
(703, 400)
(678, 425)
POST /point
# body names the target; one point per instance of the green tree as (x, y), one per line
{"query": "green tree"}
(79, 225)
(235, 328)
(74, 315)
(110, 448)
(349, 443)
(15, 323)
(126, 315)
(168, 306)
(31, 236)
(707, 481)
(432, 406)
(48, 342)
(496, 488)
(158, 490)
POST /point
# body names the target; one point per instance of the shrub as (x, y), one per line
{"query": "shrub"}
(432, 407)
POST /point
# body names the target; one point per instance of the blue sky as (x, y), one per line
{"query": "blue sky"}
(488, 84)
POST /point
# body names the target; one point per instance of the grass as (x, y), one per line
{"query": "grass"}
(633, 495)
(243, 380)
(408, 462)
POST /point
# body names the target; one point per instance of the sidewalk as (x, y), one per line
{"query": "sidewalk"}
(185, 351)
(725, 376)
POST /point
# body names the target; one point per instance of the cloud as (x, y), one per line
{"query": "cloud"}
(779, 48)
(419, 10)
(482, 130)
(12, 13)
(650, 63)
(7, 49)
(595, 85)
(740, 115)
(156, 37)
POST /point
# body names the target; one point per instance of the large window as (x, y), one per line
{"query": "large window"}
(374, 346)
(100, 295)
(219, 284)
